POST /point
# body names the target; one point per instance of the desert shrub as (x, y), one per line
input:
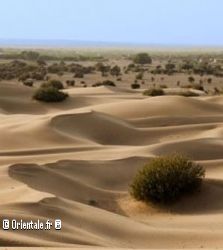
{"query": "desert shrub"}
(189, 94)
(70, 83)
(56, 68)
(154, 92)
(23, 77)
(53, 83)
(209, 80)
(41, 62)
(135, 86)
(30, 55)
(217, 91)
(104, 83)
(39, 76)
(142, 58)
(28, 82)
(166, 179)
(115, 71)
(79, 75)
(49, 94)
(102, 68)
(169, 68)
(191, 79)
(198, 87)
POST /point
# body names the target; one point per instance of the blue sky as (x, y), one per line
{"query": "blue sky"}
(167, 22)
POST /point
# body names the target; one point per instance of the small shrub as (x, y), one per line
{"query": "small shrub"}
(49, 94)
(115, 71)
(28, 82)
(70, 83)
(165, 179)
(154, 92)
(191, 79)
(189, 94)
(135, 86)
(104, 83)
(198, 87)
(209, 80)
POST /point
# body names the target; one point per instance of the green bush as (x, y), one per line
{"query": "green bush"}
(166, 179)
(142, 58)
(154, 92)
(53, 83)
(49, 94)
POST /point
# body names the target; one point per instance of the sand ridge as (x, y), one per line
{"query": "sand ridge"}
(75, 161)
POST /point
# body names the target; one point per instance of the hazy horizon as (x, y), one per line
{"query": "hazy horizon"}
(69, 43)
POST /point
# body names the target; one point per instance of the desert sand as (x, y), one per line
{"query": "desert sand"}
(74, 161)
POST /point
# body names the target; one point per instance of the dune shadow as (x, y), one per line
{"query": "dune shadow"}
(207, 200)
(95, 183)
(101, 183)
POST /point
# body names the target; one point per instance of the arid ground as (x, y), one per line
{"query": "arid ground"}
(74, 161)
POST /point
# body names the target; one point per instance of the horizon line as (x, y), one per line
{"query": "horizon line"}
(86, 43)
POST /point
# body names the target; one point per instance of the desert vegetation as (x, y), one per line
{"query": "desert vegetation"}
(166, 179)
(142, 58)
(154, 92)
(49, 94)
(99, 122)
(141, 71)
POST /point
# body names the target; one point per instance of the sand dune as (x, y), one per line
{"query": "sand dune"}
(75, 160)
